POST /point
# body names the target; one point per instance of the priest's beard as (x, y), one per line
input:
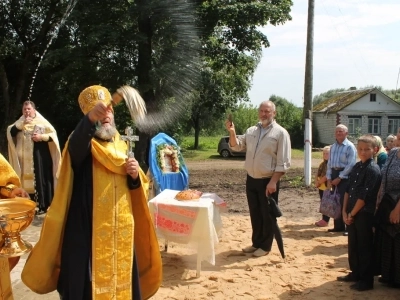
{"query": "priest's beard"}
(106, 132)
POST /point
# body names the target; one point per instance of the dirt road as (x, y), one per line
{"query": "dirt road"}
(314, 257)
(238, 163)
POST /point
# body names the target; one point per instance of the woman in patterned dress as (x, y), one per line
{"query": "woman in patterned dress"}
(387, 228)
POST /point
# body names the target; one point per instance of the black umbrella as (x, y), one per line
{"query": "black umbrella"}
(275, 212)
(278, 238)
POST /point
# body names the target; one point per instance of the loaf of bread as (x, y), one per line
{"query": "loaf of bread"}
(188, 195)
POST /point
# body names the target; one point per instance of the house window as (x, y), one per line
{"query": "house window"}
(372, 97)
(374, 126)
(394, 124)
(354, 125)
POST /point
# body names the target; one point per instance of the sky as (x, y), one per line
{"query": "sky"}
(356, 43)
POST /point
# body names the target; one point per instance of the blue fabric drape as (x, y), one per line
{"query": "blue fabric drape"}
(174, 181)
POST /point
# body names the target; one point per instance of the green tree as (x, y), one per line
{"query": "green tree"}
(232, 43)
(26, 27)
(330, 93)
(290, 117)
(219, 89)
(143, 44)
(244, 116)
(394, 94)
(147, 44)
(287, 115)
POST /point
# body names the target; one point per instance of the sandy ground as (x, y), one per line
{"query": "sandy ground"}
(314, 257)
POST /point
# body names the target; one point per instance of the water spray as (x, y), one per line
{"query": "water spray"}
(65, 16)
(181, 75)
(180, 72)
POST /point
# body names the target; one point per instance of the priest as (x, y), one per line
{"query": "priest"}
(34, 153)
(97, 241)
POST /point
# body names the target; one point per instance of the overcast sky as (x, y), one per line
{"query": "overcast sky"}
(356, 43)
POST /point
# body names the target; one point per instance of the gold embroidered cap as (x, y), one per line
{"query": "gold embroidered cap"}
(90, 96)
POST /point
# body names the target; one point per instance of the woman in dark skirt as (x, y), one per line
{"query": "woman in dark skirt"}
(387, 227)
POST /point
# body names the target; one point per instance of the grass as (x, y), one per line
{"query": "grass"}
(296, 181)
(200, 154)
(208, 149)
(299, 153)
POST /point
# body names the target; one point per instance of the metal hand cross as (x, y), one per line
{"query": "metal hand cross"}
(129, 138)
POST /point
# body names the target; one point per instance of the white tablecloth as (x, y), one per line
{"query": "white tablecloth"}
(193, 222)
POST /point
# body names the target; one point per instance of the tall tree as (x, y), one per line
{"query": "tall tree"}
(232, 43)
(26, 29)
(290, 117)
(244, 116)
(221, 87)
(150, 45)
(110, 43)
(323, 96)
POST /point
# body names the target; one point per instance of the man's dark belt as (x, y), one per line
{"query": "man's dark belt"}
(338, 169)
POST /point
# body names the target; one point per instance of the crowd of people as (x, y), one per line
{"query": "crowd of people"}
(369, 194)
(88, 243)
(368, 189)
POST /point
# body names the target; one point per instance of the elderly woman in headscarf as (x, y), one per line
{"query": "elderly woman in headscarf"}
(390, 142)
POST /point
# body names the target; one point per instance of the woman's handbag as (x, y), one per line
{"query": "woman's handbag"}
(330, 204)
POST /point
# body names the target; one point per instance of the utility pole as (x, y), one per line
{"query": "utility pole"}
(395, 91)
(308, 87)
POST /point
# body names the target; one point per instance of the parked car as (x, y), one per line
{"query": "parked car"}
(225, 151)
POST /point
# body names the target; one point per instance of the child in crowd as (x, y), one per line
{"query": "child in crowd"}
(358, 213)
(390, 142)
(320, 183)
(381, 155)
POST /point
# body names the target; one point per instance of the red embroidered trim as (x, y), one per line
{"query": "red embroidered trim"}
(173, 226)
(179, 211)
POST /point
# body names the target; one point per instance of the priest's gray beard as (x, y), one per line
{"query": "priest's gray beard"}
(106, 133)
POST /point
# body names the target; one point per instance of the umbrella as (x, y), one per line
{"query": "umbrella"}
(275, 212)
(278, 238)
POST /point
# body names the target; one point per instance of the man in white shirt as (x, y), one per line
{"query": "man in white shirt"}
(268, 151)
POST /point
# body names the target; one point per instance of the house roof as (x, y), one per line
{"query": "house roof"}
(341, 100)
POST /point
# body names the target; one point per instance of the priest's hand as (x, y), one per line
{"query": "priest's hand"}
(28, 118)
(394, 216)
(132, 168)
(19, 192)
(99, 112)
(36, 137)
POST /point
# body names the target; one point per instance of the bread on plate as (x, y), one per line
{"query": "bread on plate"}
(188, 195)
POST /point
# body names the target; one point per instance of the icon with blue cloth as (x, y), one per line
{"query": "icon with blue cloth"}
(166, 164)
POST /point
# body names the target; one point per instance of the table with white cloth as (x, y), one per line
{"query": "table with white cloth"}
(194, 222)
